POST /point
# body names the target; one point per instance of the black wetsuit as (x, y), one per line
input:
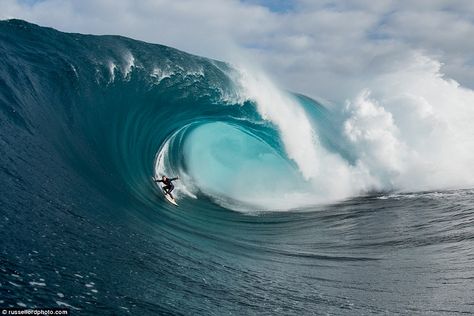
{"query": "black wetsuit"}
(168, 185)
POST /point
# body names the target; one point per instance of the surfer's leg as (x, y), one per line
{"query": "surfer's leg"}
(171, 188)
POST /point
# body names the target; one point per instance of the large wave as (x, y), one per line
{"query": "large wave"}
(398, 135)
(118, 112)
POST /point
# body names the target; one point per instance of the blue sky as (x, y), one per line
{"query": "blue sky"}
(273, 5)
(280, 6)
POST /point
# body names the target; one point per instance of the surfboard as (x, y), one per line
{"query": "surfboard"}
(169, 198)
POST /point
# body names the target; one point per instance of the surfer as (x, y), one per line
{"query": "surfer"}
(168, 184)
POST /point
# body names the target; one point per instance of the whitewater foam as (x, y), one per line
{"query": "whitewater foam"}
(112, 67)
(129, 64)
(273, 104)
(413, 129)
(402, 130)
(159, 74)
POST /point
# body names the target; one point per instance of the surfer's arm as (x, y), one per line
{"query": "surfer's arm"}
(157, 180)
(174, 179)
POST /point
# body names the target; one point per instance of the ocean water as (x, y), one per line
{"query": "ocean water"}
(286, 206)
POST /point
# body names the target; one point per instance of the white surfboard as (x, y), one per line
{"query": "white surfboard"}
(170, 199)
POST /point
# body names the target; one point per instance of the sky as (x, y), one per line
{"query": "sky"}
(325, 49)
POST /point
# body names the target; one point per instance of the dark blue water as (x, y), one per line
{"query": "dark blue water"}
(82, 124)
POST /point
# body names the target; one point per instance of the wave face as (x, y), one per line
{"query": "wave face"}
(87, 121)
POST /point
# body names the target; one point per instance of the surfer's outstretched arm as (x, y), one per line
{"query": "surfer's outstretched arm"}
(172, 179)
(154, 180)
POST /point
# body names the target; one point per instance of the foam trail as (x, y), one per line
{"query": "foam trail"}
(163, 166)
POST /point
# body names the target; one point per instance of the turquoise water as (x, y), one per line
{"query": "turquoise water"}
(86, 121)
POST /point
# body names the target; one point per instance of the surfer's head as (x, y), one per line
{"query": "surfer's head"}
(164, 178)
